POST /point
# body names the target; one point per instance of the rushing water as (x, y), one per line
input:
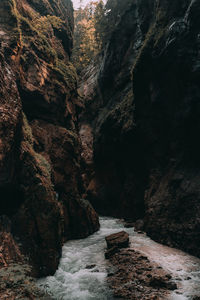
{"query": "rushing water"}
(83, 270)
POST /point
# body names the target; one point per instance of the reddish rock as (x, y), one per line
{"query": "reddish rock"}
(118, 240)
(135, 277)
(9, 249)
(15, 274)
(40, 172)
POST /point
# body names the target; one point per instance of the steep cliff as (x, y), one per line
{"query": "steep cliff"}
(146, 121)
(40, 182)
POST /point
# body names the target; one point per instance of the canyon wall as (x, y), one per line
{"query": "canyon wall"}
(145, 118)
(40, 177)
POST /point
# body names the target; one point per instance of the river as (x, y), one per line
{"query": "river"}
(83, 270)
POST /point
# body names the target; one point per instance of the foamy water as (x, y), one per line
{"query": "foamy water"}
(185, 269)
(83, 270)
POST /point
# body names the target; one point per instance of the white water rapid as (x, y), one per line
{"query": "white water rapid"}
(83, 270)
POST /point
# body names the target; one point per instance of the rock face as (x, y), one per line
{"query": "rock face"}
(40, 182)
(146, 149)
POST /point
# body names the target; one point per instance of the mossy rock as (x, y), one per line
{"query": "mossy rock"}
(16, 283)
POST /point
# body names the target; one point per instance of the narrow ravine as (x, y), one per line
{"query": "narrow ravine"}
(83, 270)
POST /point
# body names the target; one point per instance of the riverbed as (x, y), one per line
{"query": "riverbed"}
(83, 269)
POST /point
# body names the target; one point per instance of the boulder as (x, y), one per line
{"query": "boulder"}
(118, 240)
(40, 161)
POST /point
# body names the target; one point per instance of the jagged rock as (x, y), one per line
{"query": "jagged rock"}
(40, 177)
(16, 284)
(146, 126)
(118, 240)
(9, 248)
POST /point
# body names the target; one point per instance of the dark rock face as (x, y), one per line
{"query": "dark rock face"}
(40, 182)
(116, 189)
(146, 148)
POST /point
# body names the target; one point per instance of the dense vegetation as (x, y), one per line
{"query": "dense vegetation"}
(94, 25)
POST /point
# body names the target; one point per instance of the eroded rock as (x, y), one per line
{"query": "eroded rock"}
(40, 177)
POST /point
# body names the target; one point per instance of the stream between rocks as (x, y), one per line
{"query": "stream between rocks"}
(83, 269)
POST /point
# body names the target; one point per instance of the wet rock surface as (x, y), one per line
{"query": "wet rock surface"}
(115, 242)
(119, 240)
(138, 278)
(17, 283)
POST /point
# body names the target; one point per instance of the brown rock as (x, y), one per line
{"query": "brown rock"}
(118, 240)
(162, 282)
(16, 284)
(135, 277)
(9, 249)
(40, 172)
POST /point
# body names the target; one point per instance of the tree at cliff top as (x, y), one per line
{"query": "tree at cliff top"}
(88, 34)
(94, 25)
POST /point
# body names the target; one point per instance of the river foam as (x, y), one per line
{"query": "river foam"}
(83, 269)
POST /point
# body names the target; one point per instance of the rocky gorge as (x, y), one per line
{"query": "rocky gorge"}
(123, 140)
(40, 181)
(142, 101)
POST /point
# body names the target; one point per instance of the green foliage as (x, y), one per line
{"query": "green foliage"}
(36, 32)
(67, 72)
(27, 131)
(87, 41)
(28, 139)
(44, 165)
(36, 29)
(43, 24)
(93, 29)
(100, 24)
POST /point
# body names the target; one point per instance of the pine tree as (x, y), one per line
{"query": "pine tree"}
(85, 46)
(100, 24)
